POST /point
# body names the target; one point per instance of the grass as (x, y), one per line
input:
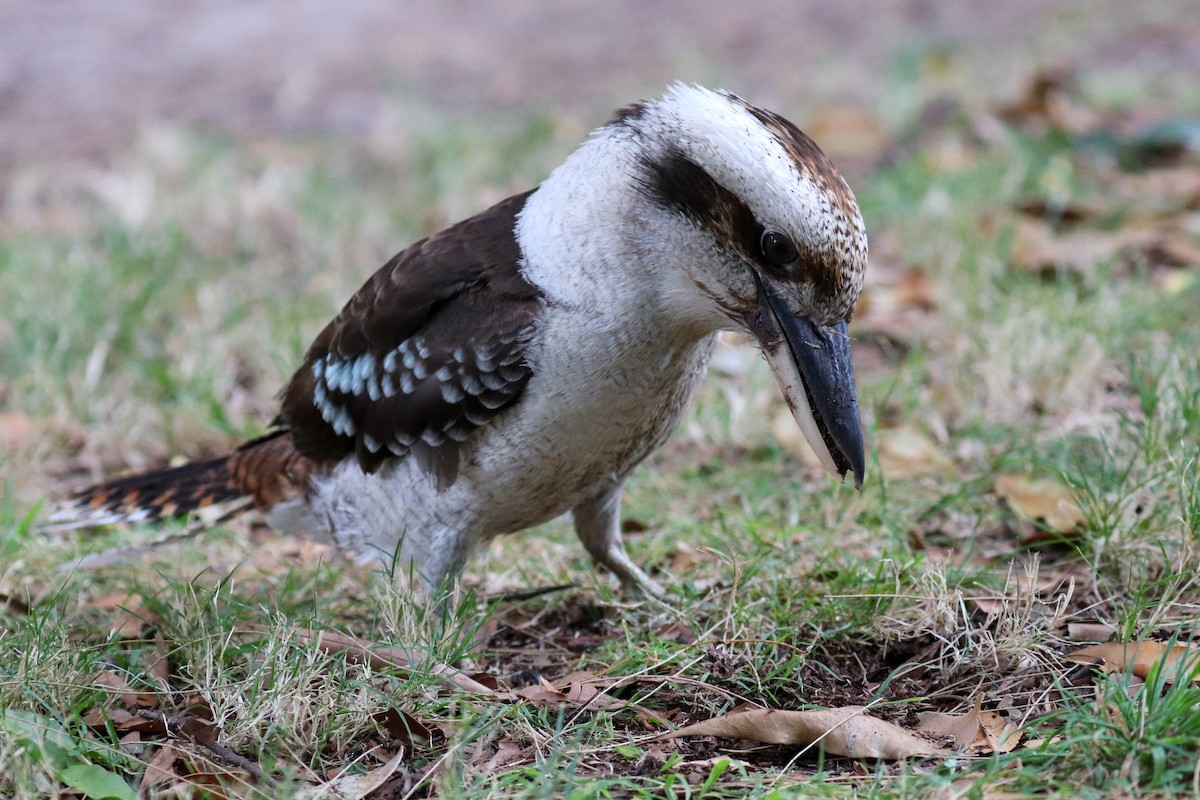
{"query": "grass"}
(152, 309)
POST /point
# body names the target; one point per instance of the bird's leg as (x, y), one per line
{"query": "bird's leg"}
(598, 523)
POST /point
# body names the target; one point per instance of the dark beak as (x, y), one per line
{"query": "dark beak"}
(814, 371)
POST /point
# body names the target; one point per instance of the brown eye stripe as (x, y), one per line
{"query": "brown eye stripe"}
(677, 182)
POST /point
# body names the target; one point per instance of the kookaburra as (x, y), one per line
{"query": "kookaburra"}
(519, 364)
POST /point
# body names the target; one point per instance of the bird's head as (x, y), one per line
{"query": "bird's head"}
(768, 239)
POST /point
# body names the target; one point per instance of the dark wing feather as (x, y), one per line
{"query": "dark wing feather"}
(430, 348)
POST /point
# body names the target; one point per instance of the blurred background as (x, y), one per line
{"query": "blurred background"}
(79, 79)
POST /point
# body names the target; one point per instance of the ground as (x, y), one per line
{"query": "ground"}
(190, 190)
(80, 79)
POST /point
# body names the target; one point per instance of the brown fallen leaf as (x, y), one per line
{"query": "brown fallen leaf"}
(13, 605)
(1044, 741)
(116, 684)
(687, 556)
(405, 728)
(1069, 209)
(905, 452)
(157, 666)
(1175, 249)
(160, 771)
(992, 606)
(354, 787)
(1039, 249)
(977, 731)
(1090, 631)
(577, 695)
(1142, 657)
(131, 617)
(676, 632)
(1001, 733)
(845, 731)
(1169, 190)
(123, 721)
(1049, 103)
(899, 289)
(508, 753)
(962, 730)
(1044, 500)
(201, 731)
(217, 782)
(586, 690)
(991, 790)
(916, 290)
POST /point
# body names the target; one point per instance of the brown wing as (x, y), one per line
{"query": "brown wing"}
(430, 348)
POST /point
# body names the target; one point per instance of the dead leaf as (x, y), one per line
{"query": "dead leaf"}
(543, 694)
(508, 753)
(992, 606)
(589, 694)
(122, 721)
(226, 785)
(1174, 249)
(130, 618)
(13, 605)
(972, 787)
(905, 452)
(1048, 103)
(1046, 741)
(116, 684)
(1044, 500)
(354, 787)
(916, 290)
(405, 728)
(1002, 734)
(676, 632)
(978, 731)
(157, 666)
(962, 730)
(201, 731)
(686, 556)
(160, 771)
(1142, 657)
(1090, 631)
(1169, 190)
(846, 731)
(276, 554)
(583, 691)
(1039, 249)
(894, 290)
(1067, 210)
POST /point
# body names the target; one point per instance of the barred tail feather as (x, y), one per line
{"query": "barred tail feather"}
(260, 473)
(150, 496)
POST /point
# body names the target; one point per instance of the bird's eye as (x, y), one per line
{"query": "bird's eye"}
(777, 248)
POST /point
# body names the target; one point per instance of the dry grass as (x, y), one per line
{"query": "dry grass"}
(152, 309)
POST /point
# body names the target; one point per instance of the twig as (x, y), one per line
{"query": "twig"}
(203, 733)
